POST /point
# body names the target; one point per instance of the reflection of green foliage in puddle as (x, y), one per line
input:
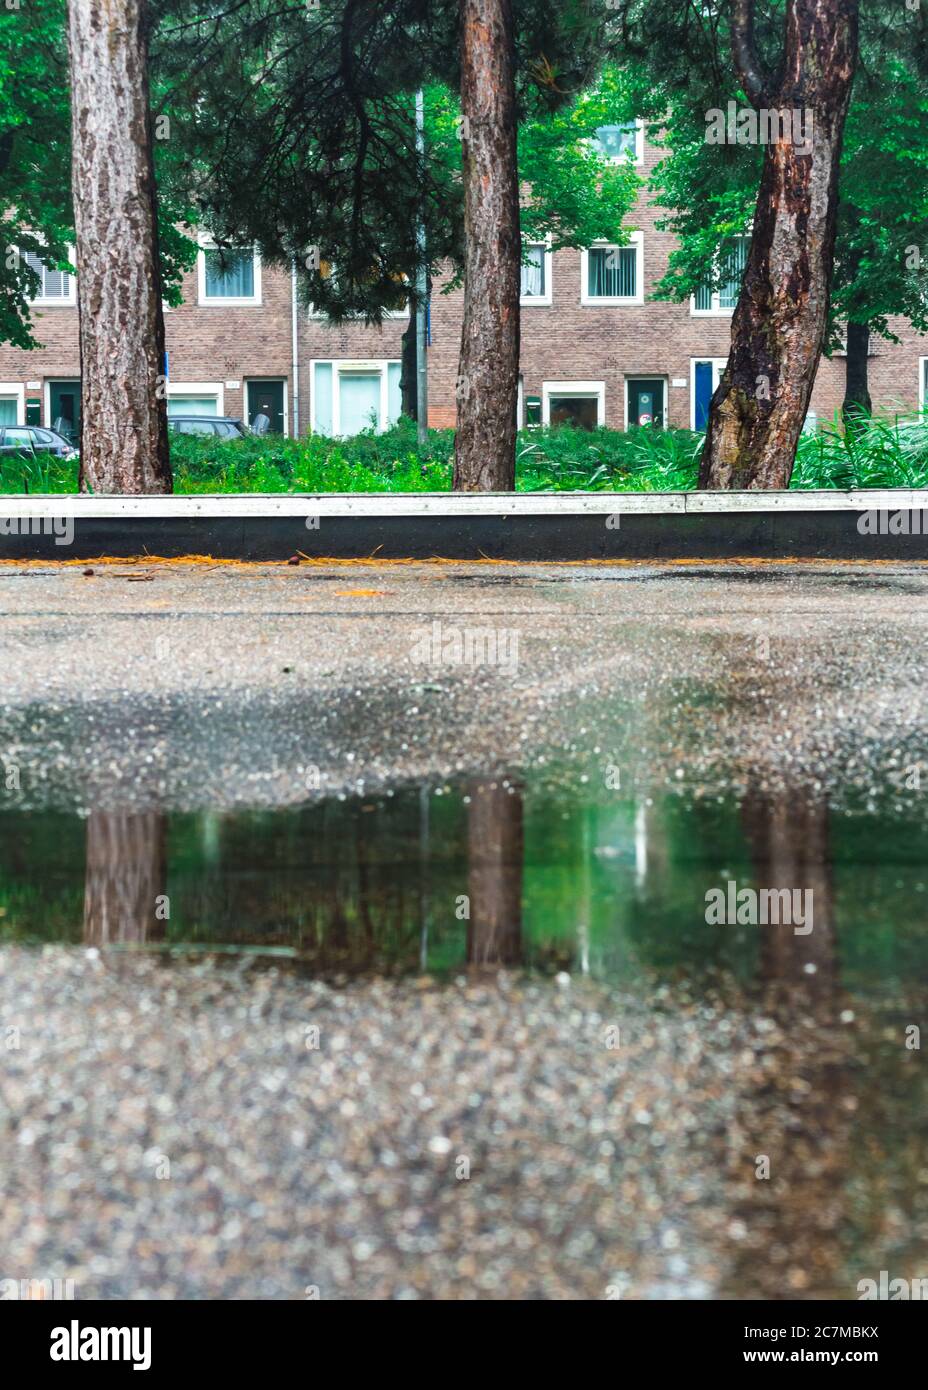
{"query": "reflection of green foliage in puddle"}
(610, 884)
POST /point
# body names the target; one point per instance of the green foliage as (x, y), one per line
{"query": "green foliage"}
(881, 453)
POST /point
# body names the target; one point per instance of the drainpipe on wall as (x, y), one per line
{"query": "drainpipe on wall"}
(422, 369)
(295, 352)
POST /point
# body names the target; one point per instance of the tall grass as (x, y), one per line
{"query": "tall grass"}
(880, 453)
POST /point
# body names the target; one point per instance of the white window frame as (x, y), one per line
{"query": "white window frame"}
(224, 301)
(922, 393)
(18, 392)
(199, 388)
(718, 366)
(61, 301)
(587, 390)
(714, 311)
(636, 240)
(637, 159)
(649, 376)
(247, 382)
(539, 301)
(350, 364)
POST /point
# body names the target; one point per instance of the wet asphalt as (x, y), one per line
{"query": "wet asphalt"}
(178, 1129)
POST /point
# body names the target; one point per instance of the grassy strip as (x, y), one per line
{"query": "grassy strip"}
(884, 453)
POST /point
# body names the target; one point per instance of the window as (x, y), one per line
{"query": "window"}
(922, 383)
(620, 144)
(348, 397)
(536, 274)
(329, 271)
(11, 403)
(645, 398)
(733, 257)
(229, 277)
(613, 274)
(195, 398)
(55, 286)
(705, 375)
(581, 403)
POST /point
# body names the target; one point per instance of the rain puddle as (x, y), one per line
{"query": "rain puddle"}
(767, 957)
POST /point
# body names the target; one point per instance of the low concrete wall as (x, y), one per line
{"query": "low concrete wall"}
(878, 524)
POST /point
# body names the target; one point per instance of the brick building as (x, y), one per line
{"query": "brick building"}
(595, 348)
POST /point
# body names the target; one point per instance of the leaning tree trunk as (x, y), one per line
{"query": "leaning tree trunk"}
(124, 442)
(779, 323)
(857, 403)
(488, 374)
(409, 400)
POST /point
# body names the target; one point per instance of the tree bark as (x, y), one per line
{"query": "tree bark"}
(124, 441)
(488, 374)
(857, 403)
(125, 877)
(778, 327)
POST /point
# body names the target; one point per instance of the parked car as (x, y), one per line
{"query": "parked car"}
(221, 426)
(35, 439)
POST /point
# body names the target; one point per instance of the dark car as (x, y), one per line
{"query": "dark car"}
(219, 426)
(35, 439)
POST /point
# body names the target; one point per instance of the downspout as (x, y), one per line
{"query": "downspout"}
(294, 352)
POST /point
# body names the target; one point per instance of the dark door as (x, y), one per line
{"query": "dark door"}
(267, 398)
(64, 400)
(646, 401)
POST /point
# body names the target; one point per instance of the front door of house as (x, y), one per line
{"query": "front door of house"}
(646, 401)
(64, 403)
(267, 398)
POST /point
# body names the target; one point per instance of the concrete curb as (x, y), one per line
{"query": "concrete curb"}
(867, 525)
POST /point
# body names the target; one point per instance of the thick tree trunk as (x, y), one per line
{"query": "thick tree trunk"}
(124, 883)
(124, 442)
(488, 375)
(778, 327)
(857, 403)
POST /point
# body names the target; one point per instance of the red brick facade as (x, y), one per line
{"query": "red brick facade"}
(224, 346)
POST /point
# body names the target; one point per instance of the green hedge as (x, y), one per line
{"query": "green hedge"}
(883, 453)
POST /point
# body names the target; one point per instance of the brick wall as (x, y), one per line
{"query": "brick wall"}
(566, 341)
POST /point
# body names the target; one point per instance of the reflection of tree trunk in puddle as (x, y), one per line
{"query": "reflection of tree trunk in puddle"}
(788, 838)
(125, 877)
(796, 1095)
(494, 841)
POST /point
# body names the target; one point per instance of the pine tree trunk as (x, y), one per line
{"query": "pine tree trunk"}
(488, 375)
(779, 323)
(124, 442)
(857, 403)
(409, 400)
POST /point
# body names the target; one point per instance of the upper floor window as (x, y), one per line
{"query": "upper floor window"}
(536, 274)
(613, 274)
(620, 144)
(55, 286)
(228, 277)
(733, 257)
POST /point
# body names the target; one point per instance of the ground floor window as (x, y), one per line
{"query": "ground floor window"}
(11, 403)
(923, 383)
(195, 398)
(645, 401)
(348, 397)
(580, 403)
(705, 375)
